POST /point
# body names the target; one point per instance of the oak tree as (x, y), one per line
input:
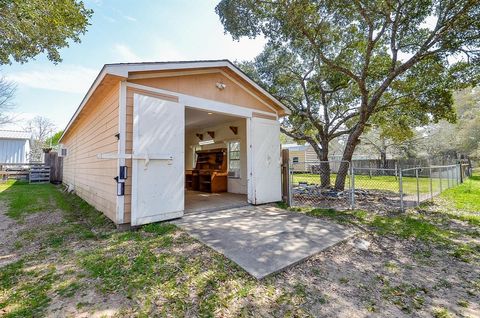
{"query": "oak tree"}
(393, 54)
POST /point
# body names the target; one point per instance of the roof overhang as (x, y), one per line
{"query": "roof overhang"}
(122, 71)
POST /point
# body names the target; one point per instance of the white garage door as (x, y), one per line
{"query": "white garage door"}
(158, 160)
(266, 171)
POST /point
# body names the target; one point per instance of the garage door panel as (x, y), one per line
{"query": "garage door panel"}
(266, 161)
(157, 183)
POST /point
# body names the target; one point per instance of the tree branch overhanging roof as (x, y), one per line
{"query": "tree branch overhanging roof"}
(123, 69)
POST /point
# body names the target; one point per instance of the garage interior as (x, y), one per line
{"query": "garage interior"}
(215, 161)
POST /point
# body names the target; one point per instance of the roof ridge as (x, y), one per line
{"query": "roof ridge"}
(22, 131)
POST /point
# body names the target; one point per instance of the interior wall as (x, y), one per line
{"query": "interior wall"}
(223, 134)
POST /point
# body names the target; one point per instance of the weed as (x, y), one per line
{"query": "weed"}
(159, 228)
(441, 312)
(68, 289)
(10, 274)
(463, 252)
(371, 306)
(463, 303)
(407, 297)
(282, 205)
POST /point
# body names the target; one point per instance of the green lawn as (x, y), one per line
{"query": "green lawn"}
(386, 183)
(465, 200)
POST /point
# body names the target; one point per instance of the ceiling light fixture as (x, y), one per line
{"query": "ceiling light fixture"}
(220, 86)
(206, 142)
(210, 113)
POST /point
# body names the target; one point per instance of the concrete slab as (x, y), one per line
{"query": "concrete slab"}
(263, 239)
(196, 201)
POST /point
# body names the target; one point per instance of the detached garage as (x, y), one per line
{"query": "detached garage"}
(152, 141)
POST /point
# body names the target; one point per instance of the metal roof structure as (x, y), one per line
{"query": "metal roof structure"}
(13, 134)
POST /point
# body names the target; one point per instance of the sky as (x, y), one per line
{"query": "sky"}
(121, 31)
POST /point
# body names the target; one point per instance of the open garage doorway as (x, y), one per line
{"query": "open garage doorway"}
(215, 161)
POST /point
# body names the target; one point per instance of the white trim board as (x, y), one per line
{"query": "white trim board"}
(122, 141)
(202, 103)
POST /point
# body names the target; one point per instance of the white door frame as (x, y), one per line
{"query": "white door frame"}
(203, 104)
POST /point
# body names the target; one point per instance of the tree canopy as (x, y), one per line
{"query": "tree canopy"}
(391, 57)
(28, 28)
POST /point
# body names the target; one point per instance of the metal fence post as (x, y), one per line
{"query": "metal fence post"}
(352, 184)
(418, 186)
(448, 177)
(440, 178)
(400, 188)
(459, 173)
(290, 184)
(431, 182)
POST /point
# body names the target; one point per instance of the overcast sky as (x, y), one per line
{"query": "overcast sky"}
(122, 31)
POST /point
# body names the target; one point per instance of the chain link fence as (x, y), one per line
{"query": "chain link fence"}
(313, 184)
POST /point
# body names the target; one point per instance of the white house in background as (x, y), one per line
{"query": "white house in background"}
(14, 146)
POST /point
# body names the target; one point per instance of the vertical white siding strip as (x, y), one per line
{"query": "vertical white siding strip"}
(13, 150)
(122, 129)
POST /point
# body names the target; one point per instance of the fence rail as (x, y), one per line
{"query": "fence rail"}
(312, 184)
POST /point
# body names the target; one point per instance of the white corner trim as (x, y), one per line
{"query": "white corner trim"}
(250, 183)
(122, 143)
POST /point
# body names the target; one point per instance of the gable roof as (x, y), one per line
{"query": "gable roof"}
(13, 134)
(122, 70)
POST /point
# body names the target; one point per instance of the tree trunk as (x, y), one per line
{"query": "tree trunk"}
(324, 167)
(352, 142)
(383, 159)
(322, 155)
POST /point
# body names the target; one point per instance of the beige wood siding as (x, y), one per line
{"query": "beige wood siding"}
(300, 166)
(203, 85)
(92, 133)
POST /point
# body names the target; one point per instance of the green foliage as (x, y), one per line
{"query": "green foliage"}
(341, 66)
(53, 141)
(37, 26)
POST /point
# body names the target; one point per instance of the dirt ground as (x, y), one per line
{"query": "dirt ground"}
(106, 273)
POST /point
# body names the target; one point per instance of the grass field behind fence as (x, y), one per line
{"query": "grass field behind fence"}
(385, 183)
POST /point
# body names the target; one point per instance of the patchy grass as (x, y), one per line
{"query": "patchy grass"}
(86, 266)
(155, 270)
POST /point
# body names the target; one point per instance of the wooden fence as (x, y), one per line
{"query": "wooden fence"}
(49, 171)
(56, 166)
